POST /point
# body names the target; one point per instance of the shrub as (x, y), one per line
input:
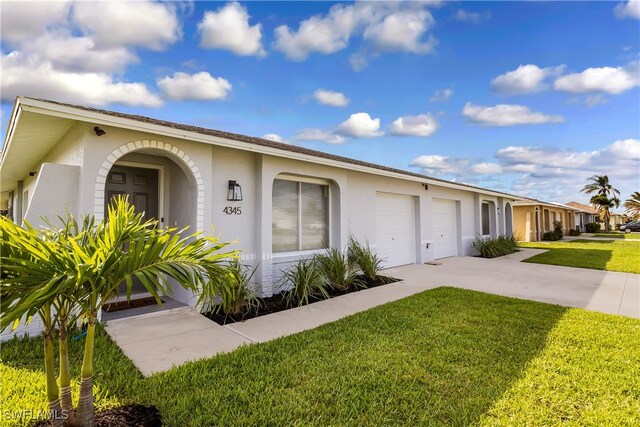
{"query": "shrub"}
(573, 232)
(337, 271)
(306, 281)
(236, 293)
(556, 234)
(488, 247)
(592, 227)
(365, 260)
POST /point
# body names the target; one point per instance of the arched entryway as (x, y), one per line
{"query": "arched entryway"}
(186, 187)
(508, 219)
(161, 180)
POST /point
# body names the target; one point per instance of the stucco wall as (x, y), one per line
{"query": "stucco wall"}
(196, 179)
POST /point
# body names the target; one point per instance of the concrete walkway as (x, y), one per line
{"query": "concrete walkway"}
(158, 341)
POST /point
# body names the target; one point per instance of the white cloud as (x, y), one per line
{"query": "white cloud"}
(421, 125)
(524, 79)
(506, 115)
(485, 168)
(228, 28)
(274, 137)
(402, 31)
(22, 21)
(630, 9)
(473, 17)
(200, 86)
(440, 165)
(611, 80)
(550, 174)
(319, 34)
(386, 26)
(441, 95)
(67, 53)
(360, 125)
(625, 149)
(313, 134)
(329, 97)
(24, 76)
(141, 23)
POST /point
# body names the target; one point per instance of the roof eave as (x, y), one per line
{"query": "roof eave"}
(70, 112)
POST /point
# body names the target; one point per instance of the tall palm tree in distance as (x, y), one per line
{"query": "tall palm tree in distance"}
(605, 197)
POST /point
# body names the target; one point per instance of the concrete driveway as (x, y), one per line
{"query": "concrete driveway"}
(604, 291)
(161, 340)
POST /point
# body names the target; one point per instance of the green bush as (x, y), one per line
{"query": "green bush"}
(556, 234)
(306, 281)
(236, 293)
(363, 257)
(592, 227)
(573, 232)
(337, 271)
(488, 247)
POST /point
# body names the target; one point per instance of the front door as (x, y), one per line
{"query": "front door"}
(141, 185)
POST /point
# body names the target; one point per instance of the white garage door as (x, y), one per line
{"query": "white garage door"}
(395, 229)
(444, 228)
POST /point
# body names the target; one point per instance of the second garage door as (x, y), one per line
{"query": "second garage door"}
(395, 229)
(444, 228)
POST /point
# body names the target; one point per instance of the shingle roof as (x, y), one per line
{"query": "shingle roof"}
(266, 143)
(582, 207)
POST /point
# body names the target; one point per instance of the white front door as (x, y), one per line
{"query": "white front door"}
(444, 228)
(395, 229)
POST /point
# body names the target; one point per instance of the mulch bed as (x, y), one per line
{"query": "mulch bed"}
(134, 303)
(277, 302)
(124, 416)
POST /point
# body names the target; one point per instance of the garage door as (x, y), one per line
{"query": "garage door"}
(444, 228)
(395, 229)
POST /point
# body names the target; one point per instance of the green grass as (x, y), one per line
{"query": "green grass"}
(614, 235)
(446, 357)
(607, 255)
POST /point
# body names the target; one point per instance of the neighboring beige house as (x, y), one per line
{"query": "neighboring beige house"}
(280, 202)
(532, 218)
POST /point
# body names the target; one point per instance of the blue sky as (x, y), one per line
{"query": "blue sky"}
(526, 97)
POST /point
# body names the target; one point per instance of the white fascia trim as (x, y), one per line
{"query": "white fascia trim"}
(46, 108)
(13, 119)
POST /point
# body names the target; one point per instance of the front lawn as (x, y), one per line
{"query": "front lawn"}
(442, 357)
(616, 235)
(596, 254)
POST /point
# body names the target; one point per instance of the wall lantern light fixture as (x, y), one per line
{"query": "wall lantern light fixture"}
(235, 192)
(499, 212)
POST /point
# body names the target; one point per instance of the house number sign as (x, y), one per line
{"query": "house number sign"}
(232, 210)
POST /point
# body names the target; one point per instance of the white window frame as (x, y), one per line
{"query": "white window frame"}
(308, 180)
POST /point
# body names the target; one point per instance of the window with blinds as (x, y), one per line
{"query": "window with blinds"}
(300, 216)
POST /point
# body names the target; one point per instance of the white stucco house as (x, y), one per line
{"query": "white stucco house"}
(295, 201)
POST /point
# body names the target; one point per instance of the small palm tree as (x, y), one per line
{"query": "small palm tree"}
(632, 205)
(77, 268)
(605, 197)
(604, 205)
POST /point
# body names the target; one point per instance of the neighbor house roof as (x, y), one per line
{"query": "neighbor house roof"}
(535, 202)
(583, 208)
(211, 136)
